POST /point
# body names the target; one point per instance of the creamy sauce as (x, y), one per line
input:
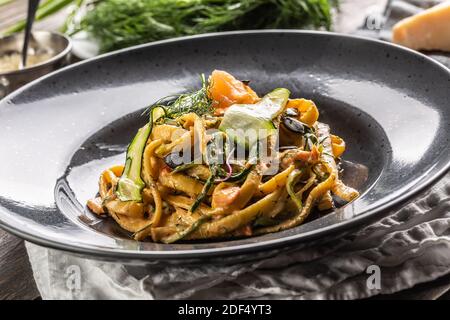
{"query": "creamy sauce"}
(11, 62)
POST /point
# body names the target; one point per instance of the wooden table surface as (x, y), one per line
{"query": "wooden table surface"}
(16, 278)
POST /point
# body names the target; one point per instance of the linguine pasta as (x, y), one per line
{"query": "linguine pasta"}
(223, 162)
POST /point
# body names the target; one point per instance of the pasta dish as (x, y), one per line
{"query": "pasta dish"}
(223, 163)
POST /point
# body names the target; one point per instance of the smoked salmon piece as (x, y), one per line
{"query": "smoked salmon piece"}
(225, 90)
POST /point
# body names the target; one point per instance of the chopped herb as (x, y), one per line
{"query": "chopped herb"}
(208, 185)
(197, 102)
(118, 24)
(293, 178)
(185, 232)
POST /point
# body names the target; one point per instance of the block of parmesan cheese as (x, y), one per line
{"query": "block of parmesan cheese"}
(427, 30)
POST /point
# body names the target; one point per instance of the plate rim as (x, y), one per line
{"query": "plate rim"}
(240, 248)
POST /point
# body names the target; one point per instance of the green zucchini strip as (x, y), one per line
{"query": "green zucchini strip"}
(130, 185)
(184, 167)
(290, 184)
(208, 185)
(213, 163)
(242, 174)
(185, 232)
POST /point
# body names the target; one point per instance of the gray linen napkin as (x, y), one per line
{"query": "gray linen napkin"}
(407, 247)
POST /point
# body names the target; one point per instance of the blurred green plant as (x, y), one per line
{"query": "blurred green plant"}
(117, 24)
(4, 2)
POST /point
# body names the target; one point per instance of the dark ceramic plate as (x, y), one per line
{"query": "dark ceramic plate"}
(390, 104)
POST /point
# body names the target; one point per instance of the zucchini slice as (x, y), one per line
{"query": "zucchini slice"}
(246, 124)
(130, 185)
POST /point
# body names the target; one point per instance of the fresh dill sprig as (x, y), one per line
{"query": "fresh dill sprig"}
(117, 24)
(197, 102)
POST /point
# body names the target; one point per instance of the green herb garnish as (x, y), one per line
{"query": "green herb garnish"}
(292, 180)
(121, 23)
(197, 102)
(117, 24)
(213, 161)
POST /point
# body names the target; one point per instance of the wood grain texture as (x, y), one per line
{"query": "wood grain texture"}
(16, 278)
(17, 10)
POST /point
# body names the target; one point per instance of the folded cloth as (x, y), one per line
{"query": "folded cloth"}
(407, 247)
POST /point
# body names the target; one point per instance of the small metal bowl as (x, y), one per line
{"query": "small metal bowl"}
(56, 44)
